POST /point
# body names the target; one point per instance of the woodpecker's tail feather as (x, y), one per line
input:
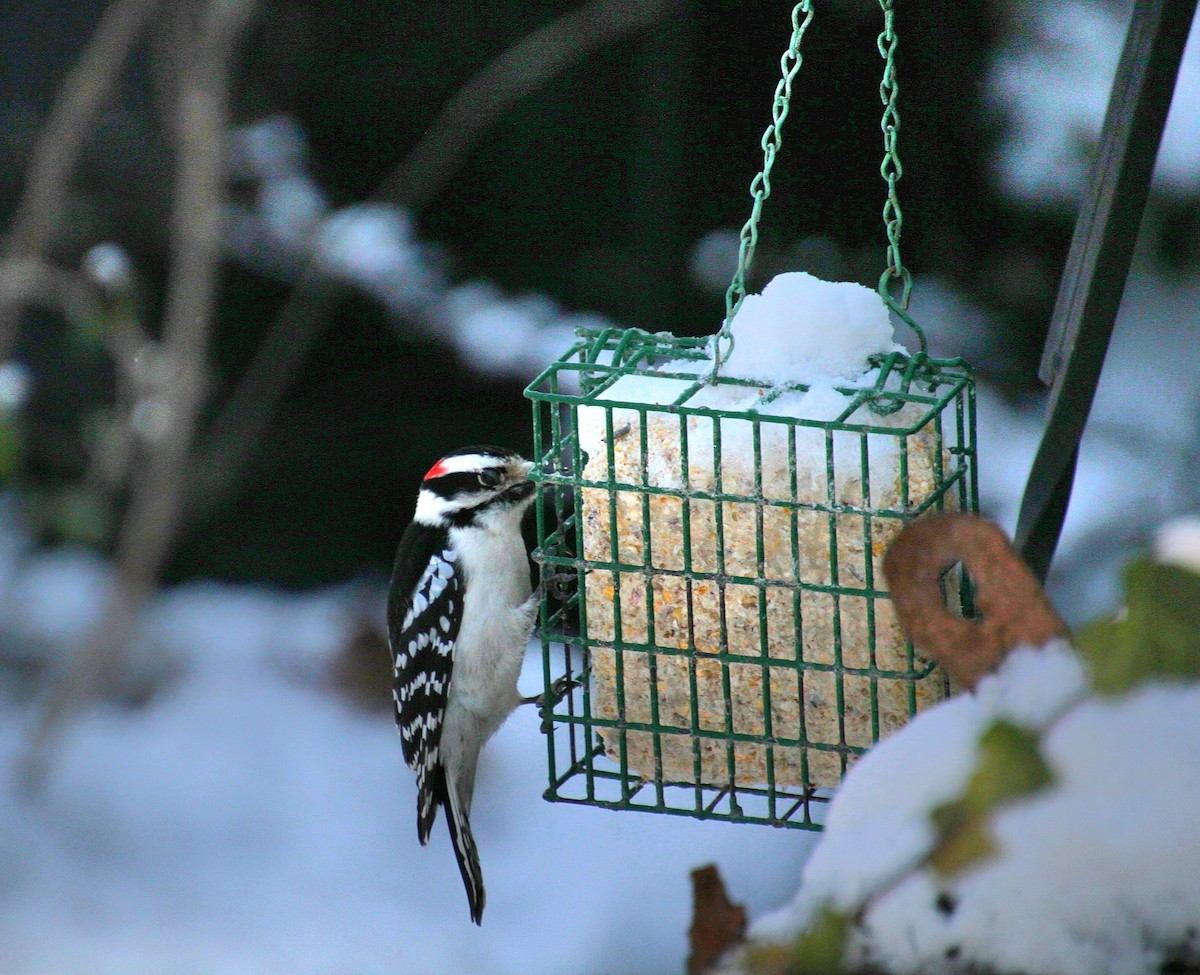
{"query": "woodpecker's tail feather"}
(431, 787)
(465, 852)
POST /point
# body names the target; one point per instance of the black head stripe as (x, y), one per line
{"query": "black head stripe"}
(459, 482)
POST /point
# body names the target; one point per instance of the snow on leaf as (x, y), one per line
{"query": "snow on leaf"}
(819, 950)
(1010, 766)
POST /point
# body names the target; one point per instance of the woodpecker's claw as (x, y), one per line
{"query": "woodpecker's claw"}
(561, 585)
(558, 690)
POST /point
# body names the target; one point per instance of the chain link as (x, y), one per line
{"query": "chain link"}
(891, 169)
(760, 187)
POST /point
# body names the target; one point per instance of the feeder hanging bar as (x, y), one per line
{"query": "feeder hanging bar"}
(1098, 262)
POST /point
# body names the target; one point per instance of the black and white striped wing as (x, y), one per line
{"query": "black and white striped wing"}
(424, 609)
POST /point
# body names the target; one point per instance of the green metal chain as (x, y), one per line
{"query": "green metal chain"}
(760, 187)
(890, 169)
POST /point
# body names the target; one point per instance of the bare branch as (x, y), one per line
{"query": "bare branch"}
(170, 39)
(152, 519)
(56, 150)
(519, 71)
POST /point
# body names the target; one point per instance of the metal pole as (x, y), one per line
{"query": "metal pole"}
(1098, 261)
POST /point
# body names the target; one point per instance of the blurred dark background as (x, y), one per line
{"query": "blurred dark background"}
(593, 190)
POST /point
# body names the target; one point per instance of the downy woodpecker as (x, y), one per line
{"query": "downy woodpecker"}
(460, 610)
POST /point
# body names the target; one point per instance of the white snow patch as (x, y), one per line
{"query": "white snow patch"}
(16, 383)
(714, 259)
(246, 821)
(492, 334)
(804, 330)
(274, 234)
(109, 266)
(1095, 875)
(366, 243)
(269, 148)
(1034, 685)
(1178, 543)
(56, 596)
(510, 336)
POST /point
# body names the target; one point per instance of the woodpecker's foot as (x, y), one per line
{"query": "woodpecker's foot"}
(561, 585)
(558, 690)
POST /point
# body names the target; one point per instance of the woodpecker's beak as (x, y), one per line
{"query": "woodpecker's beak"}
(522, 487)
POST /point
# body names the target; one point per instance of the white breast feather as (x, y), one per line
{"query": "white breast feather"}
(496, 617)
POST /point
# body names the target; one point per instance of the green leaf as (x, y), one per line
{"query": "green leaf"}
(821, 949)
(1009, 766)
(1157, 637)
(1167, 596)
(768, 959)
(963, 839)
(1111, 649)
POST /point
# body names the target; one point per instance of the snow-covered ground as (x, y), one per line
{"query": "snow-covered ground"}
(250, 822)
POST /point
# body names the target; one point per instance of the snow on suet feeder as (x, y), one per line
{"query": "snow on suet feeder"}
(718, 513)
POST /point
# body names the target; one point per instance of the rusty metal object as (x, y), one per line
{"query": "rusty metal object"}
(1011, 605)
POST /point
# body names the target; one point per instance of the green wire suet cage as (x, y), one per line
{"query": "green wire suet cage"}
(711, 564)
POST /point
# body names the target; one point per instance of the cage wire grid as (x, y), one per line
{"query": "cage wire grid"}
(712, 685)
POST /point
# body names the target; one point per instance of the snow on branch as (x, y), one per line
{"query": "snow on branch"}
(290, 231)
(1044, 823)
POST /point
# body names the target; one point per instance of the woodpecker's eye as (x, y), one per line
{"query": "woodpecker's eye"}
(490, 477)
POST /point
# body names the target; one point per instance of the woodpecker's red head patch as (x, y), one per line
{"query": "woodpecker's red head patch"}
(437, 470)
